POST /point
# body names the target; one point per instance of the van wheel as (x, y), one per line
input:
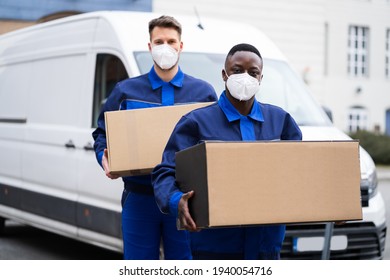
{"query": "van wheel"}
(2, 225)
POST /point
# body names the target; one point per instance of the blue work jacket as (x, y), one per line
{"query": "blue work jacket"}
(220, 121)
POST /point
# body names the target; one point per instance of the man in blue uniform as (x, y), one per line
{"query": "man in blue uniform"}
(143, 225)
(236, 117)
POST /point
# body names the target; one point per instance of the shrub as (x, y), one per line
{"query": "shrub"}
(377, 145)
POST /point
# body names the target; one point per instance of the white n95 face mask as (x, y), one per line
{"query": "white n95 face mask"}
(242, 86)
(165, 56)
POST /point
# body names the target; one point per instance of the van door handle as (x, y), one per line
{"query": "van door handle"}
(88, 147)
(70, 144)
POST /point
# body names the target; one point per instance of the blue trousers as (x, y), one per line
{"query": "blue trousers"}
(241, 243)
(144, 227)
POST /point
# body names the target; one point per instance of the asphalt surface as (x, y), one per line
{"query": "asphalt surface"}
(383, 172)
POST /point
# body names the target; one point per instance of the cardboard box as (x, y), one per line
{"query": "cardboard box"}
(136, 138)
(253, 183)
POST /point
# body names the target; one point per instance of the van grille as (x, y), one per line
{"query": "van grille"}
(365, 241)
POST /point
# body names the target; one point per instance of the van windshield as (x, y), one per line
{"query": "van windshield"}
(280, 85)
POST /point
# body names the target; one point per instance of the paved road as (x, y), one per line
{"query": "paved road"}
(384, 186)
(21, 242)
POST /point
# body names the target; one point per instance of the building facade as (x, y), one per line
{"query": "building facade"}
(32, 10)
(340, 47)
(15, 14)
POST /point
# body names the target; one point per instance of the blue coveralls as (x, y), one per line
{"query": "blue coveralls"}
(143, 225)
(221, 121)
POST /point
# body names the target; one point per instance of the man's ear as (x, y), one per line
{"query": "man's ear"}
(224, 75)
(181, 46)
(150, 47)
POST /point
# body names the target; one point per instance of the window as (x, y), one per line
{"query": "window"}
(358, 51)
(387, 122)
(357, 119)
(387, 58)
(109, 71)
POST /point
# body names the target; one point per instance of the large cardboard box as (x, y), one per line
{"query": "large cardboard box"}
(136, 138)
(253, 183)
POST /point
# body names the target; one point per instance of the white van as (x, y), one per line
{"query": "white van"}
(55, 76)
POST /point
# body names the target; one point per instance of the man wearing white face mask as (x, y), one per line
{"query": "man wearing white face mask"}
(165, 56)
(143, 225)
(236, 117)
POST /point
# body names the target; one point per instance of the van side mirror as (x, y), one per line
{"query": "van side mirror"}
(328, 112)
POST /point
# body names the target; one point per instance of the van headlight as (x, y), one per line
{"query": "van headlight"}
(369, 179)
(368, 186)
(372, 184)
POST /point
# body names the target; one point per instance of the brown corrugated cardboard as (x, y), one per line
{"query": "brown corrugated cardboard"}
(136, 138)
(252, 183)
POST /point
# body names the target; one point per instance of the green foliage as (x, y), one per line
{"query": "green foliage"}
(377, 145)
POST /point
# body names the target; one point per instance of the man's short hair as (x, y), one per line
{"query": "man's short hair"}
(165, 21)
(243, 47)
